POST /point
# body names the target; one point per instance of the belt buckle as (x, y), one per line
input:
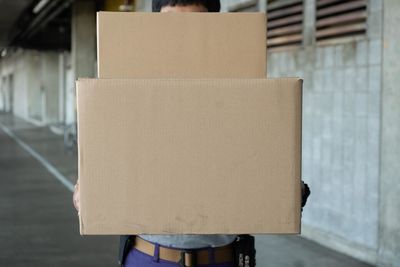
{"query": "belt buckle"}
(193, 257)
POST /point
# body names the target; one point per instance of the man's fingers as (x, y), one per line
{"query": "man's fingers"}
(75, 197)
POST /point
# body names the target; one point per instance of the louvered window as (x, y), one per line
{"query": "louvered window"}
(340, 19)
(285, 24)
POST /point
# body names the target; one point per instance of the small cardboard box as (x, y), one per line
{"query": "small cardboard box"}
(181, 45)
(182, 156)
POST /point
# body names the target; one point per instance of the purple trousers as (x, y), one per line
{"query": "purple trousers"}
(136, 258)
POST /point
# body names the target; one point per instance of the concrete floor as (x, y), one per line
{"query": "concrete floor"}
(39, 226)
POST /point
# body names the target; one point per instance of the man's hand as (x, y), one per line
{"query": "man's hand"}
(75, 197)
(305, 192)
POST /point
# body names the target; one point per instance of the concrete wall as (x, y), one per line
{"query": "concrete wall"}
(341, 133)
(143, 5)
(41, 84)
(351, 135)
(2, 96)
(50, 76)
(15, 73)
(83, 46)
(34, 87)
(32, 77)
(389, 230)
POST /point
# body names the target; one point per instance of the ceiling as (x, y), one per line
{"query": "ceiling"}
(10, 11)
(49, 28)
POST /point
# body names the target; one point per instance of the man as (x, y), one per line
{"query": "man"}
(169, 250)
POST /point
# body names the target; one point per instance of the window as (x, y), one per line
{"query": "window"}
(340, 19)
(284, 23)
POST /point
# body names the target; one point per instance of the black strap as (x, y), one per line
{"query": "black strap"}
(245, 251)
(125, 245)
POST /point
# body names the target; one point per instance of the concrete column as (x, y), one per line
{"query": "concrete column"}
(224, 5)
(83, 44)
(309, 22)
(143, 5)
(2, 94)
(34, 91)
(389, 221)
(6, 94)
(262, 5)
(61, 87)
(49, 78)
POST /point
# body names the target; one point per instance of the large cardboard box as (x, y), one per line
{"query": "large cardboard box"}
(181, 45)
(160, 156)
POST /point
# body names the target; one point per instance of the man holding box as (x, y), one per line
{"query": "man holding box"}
(179, 250)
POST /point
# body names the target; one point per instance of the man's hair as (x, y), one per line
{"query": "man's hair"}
(210, 5)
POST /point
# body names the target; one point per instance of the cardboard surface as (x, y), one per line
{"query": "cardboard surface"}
(189, 156)
(181, 45)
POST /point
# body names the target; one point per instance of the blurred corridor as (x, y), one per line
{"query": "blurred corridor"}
(39, 223)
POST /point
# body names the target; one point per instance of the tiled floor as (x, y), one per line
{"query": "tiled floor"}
(39, 226)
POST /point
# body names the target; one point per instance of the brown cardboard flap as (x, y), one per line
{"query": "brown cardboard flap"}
(179, 156)
(181, 45)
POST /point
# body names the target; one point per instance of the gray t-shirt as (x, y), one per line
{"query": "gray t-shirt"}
(190, 241)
